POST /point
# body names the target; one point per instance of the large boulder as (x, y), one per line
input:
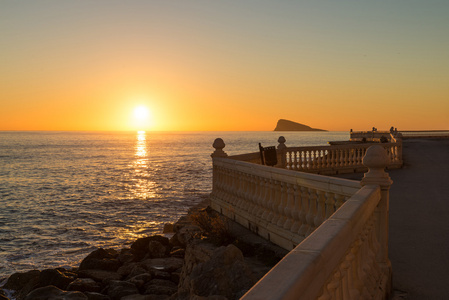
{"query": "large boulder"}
(140, 280)
(52, 292)
(224, 273)
(22, 283)
(101, 259)
(131, 269)
(161, 287)
(141, 247)
(84, 285)
(186, 234)
(96, 296)
(118, 289)
(156, 249)
(145, 297)
(169, 264)
(99, 275)
(54, 277)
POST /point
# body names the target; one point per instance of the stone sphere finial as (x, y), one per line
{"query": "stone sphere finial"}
(376, 159)
(219, 145)
(281, 141)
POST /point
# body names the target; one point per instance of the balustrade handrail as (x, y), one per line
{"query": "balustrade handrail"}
(329, 256)
(335, 159)
(336, 229)
(281, 205)
(330, 184)
(331, 159)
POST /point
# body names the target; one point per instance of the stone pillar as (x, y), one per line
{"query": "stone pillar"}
(218, 145)
(376, 159)
(282, 152)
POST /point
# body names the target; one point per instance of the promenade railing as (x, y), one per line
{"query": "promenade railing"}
(336, 158)
(337, 229)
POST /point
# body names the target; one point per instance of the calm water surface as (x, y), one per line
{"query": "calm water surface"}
(63, 194)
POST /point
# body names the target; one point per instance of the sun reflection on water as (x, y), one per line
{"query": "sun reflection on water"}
(141, 145)
(143, 185)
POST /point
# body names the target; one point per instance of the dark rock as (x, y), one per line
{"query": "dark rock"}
(96, 296)
(101, 259)
(180, 253)
(125, 256)
(175, 276)
(132, 269)
(3, 295)
(188, 233)
(145, 297)
(84, 285)
(168, 228)
(140, 280)
(174, 241)
(225, 273)
(54, 277)
(18, 281)
(22, 283)
(161, 287)
(118, 289)
(156, 249)
(52, 292)
(101, 253)
(141, 247)
(161, 274)
(182, 221)
(99, 275)
(168, 264)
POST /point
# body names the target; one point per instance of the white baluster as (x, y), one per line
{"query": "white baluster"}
(282, 204)
(296, 209)
(303, 212)
(288, 210)
(321, 209)
(312, 211)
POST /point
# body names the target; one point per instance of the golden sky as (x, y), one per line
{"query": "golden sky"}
(224, 65)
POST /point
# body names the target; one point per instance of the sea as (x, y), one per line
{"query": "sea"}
(65, 194)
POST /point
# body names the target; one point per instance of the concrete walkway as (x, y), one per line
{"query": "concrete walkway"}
(419, 221)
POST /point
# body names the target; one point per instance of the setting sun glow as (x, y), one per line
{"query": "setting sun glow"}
(142, 118)
(119, 66)
(141, 113)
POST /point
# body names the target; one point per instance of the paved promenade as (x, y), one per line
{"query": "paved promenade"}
(419, 221)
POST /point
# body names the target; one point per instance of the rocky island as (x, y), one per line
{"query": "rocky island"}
(286, 125)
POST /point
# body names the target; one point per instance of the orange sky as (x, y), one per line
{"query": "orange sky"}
(233, 65)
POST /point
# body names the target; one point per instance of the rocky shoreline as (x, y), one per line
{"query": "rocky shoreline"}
(206, 257)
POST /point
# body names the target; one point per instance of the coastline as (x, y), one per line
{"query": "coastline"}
(158, 266)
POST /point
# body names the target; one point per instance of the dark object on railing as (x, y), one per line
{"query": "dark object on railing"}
(268, 155)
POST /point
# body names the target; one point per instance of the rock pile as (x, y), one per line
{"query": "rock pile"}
(186, 266)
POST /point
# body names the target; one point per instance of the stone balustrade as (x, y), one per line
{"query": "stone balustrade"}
(337, 159)
(336, 229)
(280, 205)
(334, 159)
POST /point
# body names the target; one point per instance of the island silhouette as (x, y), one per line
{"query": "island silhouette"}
(286, 125)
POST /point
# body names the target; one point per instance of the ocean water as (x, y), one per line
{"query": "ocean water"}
(64, 194)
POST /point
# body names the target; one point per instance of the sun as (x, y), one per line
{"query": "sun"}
(141, 113)
(142, 117)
